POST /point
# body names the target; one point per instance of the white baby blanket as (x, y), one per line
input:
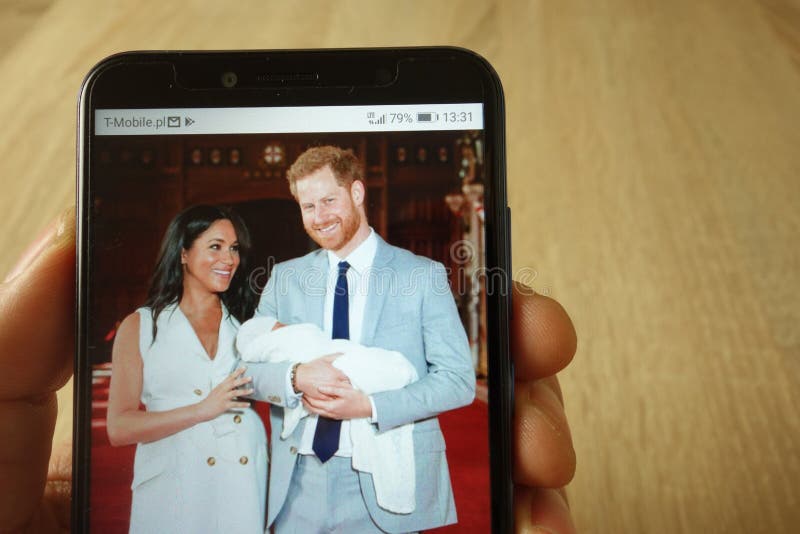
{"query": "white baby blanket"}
(388, 456)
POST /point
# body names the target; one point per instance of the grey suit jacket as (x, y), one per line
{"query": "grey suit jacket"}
(409, 309)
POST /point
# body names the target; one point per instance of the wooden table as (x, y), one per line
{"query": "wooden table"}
(655, 186)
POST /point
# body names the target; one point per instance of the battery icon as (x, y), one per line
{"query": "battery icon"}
(427, 117)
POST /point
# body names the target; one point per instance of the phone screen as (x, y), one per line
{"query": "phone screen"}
(257, 209)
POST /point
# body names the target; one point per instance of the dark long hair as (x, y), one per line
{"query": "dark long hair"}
(166, 286)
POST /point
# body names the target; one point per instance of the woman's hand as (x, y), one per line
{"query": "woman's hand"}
(224, 397)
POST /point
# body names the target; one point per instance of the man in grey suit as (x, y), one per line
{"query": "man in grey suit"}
(358, 287)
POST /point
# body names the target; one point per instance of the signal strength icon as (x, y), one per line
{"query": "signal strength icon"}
(372, 120)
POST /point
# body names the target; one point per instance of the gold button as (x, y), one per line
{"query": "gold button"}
(211, 460)
(237, 419)
(198, 392)
(243, 460)
(293, 450)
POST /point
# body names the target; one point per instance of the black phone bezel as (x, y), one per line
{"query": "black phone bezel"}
(175, 79)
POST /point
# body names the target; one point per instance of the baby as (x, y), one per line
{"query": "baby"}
(388, 456)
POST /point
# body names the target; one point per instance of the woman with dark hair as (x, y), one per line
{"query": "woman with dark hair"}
(201, 455)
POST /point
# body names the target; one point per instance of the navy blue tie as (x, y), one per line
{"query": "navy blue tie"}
(326, 437)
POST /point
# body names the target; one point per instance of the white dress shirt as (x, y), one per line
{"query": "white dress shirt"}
(358, 278)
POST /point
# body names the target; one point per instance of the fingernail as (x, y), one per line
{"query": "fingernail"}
(53, 234)
(66, 223)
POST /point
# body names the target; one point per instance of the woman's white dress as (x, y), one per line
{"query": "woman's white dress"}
(208, 478)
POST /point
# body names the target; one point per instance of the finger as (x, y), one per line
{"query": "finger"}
(312, 402)
(333, 391)
(24, 454)
(237, 392)
(242, 381)
(230, 381)
(237, 373)
(310, 407)
(233, 377)
(542, 511)
(330, 357)
(329, 390)
(37, 310)
(322, 407)
(543, 339)
(316, 395)
(544, 455)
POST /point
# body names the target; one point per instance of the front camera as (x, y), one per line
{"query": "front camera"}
(229, 79)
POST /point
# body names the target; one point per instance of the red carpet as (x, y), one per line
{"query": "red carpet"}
(465, 432)
(466, 435)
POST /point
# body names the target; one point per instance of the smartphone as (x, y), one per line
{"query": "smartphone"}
(293, 294)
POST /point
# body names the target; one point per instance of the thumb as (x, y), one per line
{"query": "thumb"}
(37, 315)
(36, 348)
(331, 357)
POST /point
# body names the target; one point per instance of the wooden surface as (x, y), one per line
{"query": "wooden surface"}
(654, 168)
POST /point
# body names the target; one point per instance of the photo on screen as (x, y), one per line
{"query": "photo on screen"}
(424, 195)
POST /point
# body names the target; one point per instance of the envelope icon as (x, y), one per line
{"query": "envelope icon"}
(174, 122)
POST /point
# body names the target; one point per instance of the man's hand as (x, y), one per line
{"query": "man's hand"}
(342, 402)
(309, 376)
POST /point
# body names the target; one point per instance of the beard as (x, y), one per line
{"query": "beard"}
(348, 226)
